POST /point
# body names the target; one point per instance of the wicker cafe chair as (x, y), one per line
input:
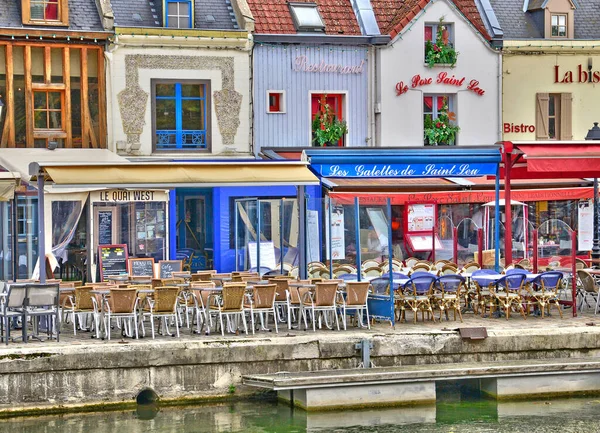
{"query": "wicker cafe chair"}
(231, 304)
(357, 294)
(544, 289)
(369, 263)
(481, 297)
(163, 305)
(373, 271)
(589, 287)
(508, 292)
(418, 292)
(203, 275)
(200, 291)
(282, 301)
(295, 296)
(83, 305)
(323, 300)
(262, 302)
(122, 304)
(448, 269)
(448, 294)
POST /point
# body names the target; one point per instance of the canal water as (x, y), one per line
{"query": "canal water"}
(266, 415)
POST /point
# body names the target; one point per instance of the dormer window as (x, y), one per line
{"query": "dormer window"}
(47, 12)
(306, 17)
(179, 14)
(559, 26)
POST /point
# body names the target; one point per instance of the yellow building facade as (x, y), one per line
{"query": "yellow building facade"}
(550, 92)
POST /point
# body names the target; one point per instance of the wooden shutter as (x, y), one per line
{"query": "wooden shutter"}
(566, 116)
(541, 116)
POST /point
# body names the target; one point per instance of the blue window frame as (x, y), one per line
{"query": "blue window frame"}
(179, 14)
(181, 115)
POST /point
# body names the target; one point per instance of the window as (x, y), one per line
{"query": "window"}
(179, 14)
(559, 26)
(439, 120)
(49, 11)
(553, 116)
(327, 114)
(47, 110)
(275, 101)
(181, 115)
(439, 44)
(306, 17)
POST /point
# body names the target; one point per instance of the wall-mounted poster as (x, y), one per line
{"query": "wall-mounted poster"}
(585, 231)
(312, 236)
(420, 217)
(336, 231)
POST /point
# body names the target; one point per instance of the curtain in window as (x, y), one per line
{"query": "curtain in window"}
(65, 218)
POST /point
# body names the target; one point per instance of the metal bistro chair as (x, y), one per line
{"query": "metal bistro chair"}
(162, 305)
(42, 300)
(321, 301)
(544, 290)
(262, 302)
(231, 304)
(13, 307)
(357, 294)
(589, 287)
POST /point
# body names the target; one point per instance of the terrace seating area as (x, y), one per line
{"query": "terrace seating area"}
(244, 303)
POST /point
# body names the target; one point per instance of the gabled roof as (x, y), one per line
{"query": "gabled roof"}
(274, 16)
(83, 16)
(208, 14)
(394, 15)
(517, 24)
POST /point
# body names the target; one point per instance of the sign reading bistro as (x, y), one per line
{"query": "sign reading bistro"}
(442, 78)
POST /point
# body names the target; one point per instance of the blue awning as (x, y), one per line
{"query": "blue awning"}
(405, 162)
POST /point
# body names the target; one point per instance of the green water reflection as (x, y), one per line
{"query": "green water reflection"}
(569, 415)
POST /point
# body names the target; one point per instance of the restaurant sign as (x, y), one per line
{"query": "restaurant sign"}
(124, 195)
(442, 78)
(405, 170)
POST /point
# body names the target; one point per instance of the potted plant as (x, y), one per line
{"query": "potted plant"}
(440, 51)
(327, 129)
(440, 131)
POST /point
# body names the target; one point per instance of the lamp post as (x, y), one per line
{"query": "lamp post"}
(594, 134)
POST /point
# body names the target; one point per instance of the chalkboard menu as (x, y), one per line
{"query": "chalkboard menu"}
(105, 227)
(141, 267)
(112, 260)
(167, 267)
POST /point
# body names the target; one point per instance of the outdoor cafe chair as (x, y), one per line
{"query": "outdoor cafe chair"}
(373, 271)
(448, 293)
(200, 291)
(82, 305)
(410, 262)
(418, 293)
(357, 294)
(470, 267)
(42, 300)
(229, 303)
(12, 308)
(282, 299)
(122, 304)
(419, 267)
(589, 287)
(163, 305)
(507, 292)
(348, 277)
(262, 301)
(544, 289)
(480, 298)
(322, 300)
(449, 269)
(369, 263)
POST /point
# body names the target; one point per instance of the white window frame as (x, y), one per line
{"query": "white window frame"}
(283, 105)
(558, 25)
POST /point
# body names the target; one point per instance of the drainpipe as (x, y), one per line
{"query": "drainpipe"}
(41, 229)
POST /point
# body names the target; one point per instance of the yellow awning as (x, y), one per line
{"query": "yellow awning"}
(165, 175)
(8, 182)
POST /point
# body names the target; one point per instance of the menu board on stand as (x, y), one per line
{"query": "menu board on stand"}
(112, 260)
(167, 267)
(142, 267)
(419, 228)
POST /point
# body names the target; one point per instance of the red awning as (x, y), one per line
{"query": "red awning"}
(583, 160)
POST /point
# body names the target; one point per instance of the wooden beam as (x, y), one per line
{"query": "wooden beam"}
(48, 34)
(47, 65)
(66, 67)
(83, 85)
(101, 100)
(47, 87)
(28, 98)
(9, 101)
(40, 133)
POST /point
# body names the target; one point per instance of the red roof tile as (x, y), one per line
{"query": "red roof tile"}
(274, 16)
(393, 15)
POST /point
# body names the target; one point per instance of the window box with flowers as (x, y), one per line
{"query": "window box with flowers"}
(439, 130)
(327, 129)
(439, 51)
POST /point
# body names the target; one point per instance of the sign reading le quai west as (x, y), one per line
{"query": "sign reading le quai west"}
(407, 170)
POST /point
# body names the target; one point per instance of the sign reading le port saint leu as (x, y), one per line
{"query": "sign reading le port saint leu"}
(367, 171)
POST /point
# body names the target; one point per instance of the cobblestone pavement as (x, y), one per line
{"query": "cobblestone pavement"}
(584, 319)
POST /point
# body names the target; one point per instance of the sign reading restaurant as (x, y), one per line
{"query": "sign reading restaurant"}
(406, 170)
(303, 64)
